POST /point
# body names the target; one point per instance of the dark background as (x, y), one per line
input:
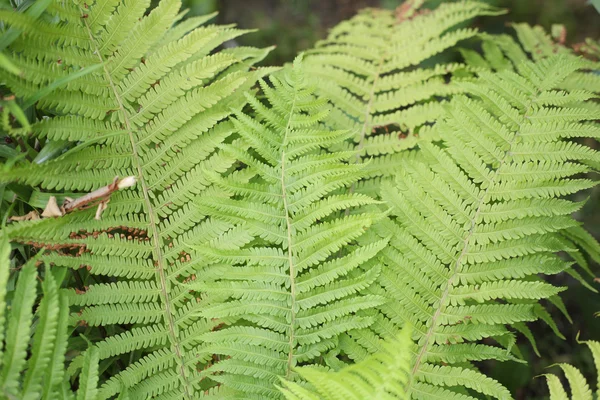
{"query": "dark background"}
(295, 25)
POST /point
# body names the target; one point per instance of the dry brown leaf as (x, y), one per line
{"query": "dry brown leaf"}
(101, 207)
(30, 216)
(52, 209)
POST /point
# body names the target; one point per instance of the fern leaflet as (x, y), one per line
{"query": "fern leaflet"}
(372, 67)
(580, 389)
(36, 369)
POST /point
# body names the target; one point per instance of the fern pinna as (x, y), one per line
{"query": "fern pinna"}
(374, 69)
(502, 52)
(156, 109)
(475, 219)
(580, 389)
(288, 272)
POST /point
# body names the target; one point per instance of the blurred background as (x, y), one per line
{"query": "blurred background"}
(295, 25)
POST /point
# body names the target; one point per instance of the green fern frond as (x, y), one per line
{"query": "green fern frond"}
(381, 376)
(33, 360)
(532, 43)
(372, 69)
(88, 380)
(475, 219)
(225, 242)
(18, 328)
(580, 388)
(578, 91)
(156, 107)
(287, 272)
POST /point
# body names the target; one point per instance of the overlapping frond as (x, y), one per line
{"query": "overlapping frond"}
(381, 376)
(579, 90)
(288, 270)
(221, 249)
(475, 220)
(156, 108)
(580, 388)
(373, 68)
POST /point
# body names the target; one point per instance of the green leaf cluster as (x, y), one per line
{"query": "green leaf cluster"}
(370, 221)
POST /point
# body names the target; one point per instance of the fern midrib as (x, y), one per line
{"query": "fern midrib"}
(367, 115)
(152, 222)
(363, 131)
(466, 245)
(289, 240)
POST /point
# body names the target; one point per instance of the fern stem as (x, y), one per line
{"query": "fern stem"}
(363, 131)
(290, 243)
(466, 245)
(367, 115)
(157, 251)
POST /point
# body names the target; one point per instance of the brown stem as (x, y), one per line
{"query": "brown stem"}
(101, 193)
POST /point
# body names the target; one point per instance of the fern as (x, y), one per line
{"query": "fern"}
(580, 389)
(288, 270)
(373, 68)
(475, 220)
(589, 48)
(156, 108)
(42, 374)
(381, 376)
(224, 249)
(502, 52)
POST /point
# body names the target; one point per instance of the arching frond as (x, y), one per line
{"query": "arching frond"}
(373, 68)
(577, 90)
(155, 108)
(288, 270)
(474, 221)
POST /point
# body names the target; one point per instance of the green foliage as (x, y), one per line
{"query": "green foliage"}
(475, 219)
(579, 89)
(156, 109)
(376, 69)
(580, 389)
(381, 376)
(33, 360)
(287, 269)
(223, 238)
(504, 52)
